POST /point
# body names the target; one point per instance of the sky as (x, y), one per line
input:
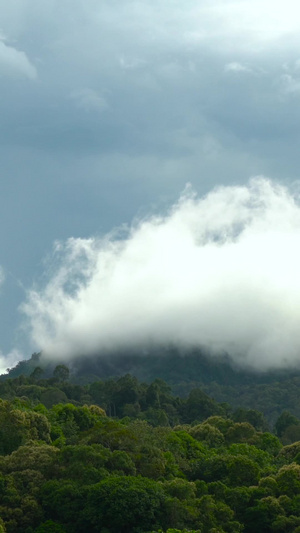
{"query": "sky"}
(108, 111)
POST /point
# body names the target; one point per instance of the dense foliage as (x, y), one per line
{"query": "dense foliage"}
(121, 456)
(184, 370)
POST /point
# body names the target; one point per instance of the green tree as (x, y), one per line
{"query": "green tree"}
(125, 504)
(61, 373)
(260, 517)
(241, 432)
(37, 373)
(18, 426)
(288, 479)
(199, 406)
(207, 433)
(285, 420)
(291, 434)
(242, 471)
(52, 396)
(50, 527)
(269, 443)
(255, 418)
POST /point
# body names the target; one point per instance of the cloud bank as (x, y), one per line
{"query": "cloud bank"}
(221, 271)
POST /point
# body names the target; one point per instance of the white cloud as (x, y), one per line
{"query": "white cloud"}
(89, 100)
(236, 67)
(9, 360)
(14, 62)
(222, 271)
(253, 22)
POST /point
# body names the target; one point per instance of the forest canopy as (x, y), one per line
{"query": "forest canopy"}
(123, 456)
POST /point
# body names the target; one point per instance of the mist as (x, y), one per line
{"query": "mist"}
(220, 271)
(9, 360)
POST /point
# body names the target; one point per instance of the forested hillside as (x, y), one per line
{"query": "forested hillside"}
(122, 456)
(268, 392)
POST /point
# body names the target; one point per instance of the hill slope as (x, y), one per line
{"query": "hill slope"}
(268, 392)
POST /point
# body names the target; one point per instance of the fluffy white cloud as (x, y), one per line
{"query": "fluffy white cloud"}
(255, 24)
(222, 270)
(14, 62)
(9, 360)
(236, 67)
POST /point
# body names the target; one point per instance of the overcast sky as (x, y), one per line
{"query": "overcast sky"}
(108, 109)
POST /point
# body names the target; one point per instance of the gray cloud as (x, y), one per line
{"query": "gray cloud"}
(220, 270)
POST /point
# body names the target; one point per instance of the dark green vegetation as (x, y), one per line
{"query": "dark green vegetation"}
(267, 392)
(122, 456)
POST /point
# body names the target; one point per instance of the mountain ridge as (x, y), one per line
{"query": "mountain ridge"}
(269, 392)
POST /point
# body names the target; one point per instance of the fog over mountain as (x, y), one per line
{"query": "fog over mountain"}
(220, 271)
